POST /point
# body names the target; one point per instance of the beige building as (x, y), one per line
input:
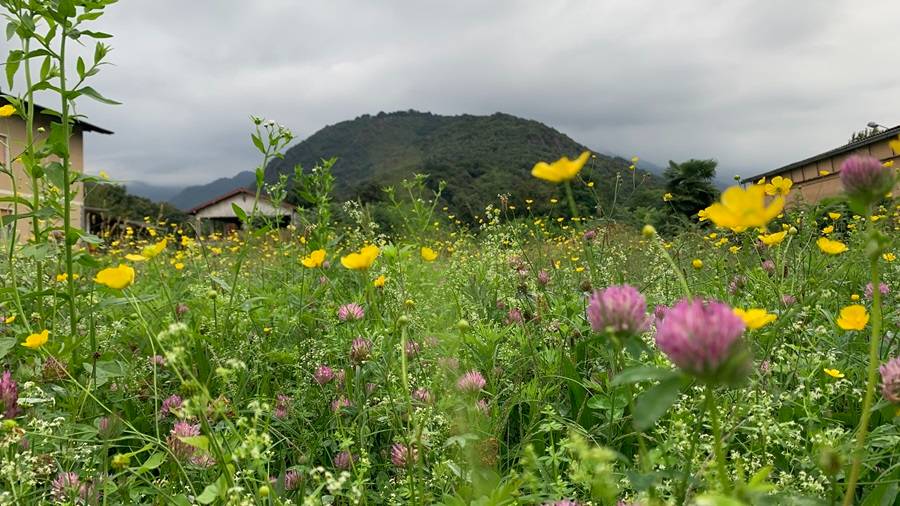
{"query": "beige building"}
(12, 142)
(219, 212)
(816, 177)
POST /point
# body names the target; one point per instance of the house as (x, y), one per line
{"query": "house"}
(816, 177)
(12, 142)
(219, 212)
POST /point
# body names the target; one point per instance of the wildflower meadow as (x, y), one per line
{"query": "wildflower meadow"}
(747, 357)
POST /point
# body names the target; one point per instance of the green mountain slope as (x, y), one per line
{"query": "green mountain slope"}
(480, 157)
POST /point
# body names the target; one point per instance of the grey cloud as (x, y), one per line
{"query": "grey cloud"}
(752, 83)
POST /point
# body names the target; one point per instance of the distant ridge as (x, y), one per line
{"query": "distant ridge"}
(480, 157)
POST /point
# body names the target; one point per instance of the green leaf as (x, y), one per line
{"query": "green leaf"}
(12, 66)
(258, 143)
(106, 370)
(7, 344)
(153, 462)
(201, 442)
(209, 494)
(642, 373)
(92, 93)
(655, 401)
(239, 212)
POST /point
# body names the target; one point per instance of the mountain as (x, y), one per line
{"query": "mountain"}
(194, 195)
(480, 157)
(153, 192)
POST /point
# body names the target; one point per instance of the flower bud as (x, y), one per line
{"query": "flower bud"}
(865, 179)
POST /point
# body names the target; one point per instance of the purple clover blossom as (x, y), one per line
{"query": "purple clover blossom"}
(323, 375)
(866, 179)
(178, 447)
(9, 396)
(412, 348)
(343, 460)
(619, 309)
(471, 382)
(700, 336)
(282, 406)
(360, 349)
(768, 266)
(562, 502)
(170, 404)
(67, 486)
(514, 317)
(883, 289)
(788, 299)
(351, 312)
(423, 396)
(292, 480)
(403, 455)
(340, 403)
(890, 380)
(543, 277)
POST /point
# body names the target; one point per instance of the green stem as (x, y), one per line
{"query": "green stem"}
(572, 208)
(717, 439)
(678, 272)
(67, 194)
(871, 378)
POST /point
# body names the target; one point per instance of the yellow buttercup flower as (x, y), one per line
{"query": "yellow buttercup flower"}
(9, 319)
(668, 197)
(773, 239)
(104, 175)
(116, 277)
(361, 260)
(779, 186)
(853, 317)
(755, 318)
(834, 216)
(703, 214)
(35, 341)
(697, 263)
(829, 229)
(154, 249)
(65, 277)
(178, 266)
(854, 297)
(7, 111)
(379, 281)
(428, 254)
(834, 373)
(133, 257)
(314, 259)
(741, 209)
(831, 247)
(889, 257)
(895, 145)
(560, 170)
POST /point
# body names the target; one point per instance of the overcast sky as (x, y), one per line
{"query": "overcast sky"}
(754, 83)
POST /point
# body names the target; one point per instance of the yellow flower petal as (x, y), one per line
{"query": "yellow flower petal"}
(35, 341)
(854, 317)
(116, 277)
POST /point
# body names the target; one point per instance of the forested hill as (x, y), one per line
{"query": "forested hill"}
(480, 157)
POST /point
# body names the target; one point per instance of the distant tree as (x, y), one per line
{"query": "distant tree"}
(863, 134)
(691, 185)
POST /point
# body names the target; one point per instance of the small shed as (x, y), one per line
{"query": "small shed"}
(219, 212)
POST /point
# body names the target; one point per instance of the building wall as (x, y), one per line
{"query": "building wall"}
(244, 201)
(812, 187)
(12, 142)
